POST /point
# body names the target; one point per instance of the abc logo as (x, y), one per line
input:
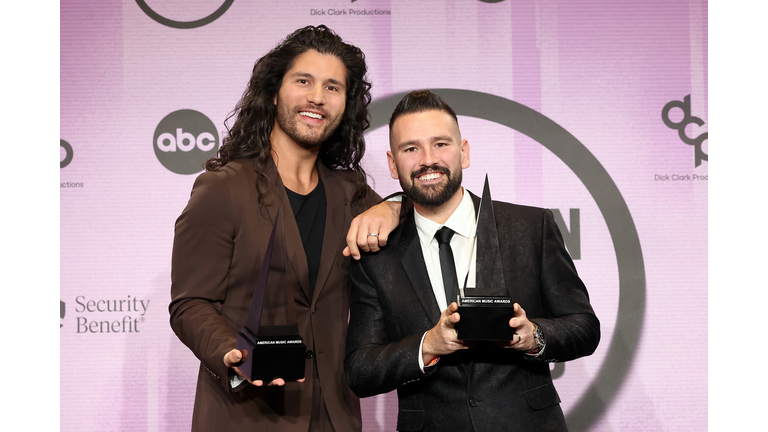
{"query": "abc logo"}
(184, 140)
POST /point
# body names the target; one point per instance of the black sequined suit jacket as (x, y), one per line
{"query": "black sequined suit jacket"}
(485, 388)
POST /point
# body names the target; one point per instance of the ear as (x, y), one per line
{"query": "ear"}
(392, 166)
(464, 154)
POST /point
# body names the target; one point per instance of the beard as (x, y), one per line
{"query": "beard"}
(432, 196)
(311, 137)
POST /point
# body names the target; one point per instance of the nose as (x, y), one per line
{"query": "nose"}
(428, 156)
(316, 95)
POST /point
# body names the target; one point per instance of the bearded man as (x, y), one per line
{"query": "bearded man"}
(295, 146)
(398, 338)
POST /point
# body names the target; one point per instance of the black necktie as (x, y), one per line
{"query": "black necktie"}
(447, 265)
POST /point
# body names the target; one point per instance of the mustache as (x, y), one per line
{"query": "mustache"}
(313, 108)
(434, 168)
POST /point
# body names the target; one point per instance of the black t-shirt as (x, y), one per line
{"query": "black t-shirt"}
(309, 211)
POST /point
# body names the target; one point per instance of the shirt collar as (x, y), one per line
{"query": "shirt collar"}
(462, 220)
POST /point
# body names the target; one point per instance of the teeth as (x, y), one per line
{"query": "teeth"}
(430, 176)
(311, 114)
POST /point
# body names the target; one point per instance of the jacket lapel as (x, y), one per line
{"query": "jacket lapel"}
(413, 264)
(412, 261)
(297, 259)
(335, 221)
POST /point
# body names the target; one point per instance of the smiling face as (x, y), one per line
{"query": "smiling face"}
(427, 157)
(311, 100)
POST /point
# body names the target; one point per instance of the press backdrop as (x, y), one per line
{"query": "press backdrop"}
(596, 109)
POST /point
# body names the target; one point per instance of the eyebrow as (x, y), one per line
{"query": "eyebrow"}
(309, 75)
(431, 139)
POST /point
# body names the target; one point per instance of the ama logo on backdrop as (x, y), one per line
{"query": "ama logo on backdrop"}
(184, 140)
(184, 24)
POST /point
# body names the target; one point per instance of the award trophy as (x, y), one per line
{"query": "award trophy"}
(486, 308)
(274, 350)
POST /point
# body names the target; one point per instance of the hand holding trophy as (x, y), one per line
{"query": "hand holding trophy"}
(486, 309)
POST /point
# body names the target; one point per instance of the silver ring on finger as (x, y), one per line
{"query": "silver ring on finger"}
(373, 234)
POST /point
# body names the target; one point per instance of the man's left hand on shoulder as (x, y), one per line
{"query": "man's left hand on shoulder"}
(370, 230)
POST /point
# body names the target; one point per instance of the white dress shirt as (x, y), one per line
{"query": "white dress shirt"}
(462, 222)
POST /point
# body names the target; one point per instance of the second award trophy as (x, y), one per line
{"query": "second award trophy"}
(486, 308)
(272, 349)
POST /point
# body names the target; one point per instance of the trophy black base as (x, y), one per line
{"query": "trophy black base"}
(485, 319)
(273, 355)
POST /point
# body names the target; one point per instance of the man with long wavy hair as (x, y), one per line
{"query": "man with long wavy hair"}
(296, 145)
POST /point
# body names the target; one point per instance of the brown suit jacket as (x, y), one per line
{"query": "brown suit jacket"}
(219, 244)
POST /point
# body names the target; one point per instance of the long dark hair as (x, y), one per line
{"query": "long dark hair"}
(255, 112)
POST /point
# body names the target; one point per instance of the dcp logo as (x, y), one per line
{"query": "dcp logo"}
(184, 140)
(685, 106)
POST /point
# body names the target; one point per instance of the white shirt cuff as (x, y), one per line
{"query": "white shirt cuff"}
(421, 356)
(235, 381)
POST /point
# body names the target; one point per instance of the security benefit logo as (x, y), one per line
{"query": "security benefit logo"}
(115, 315)
(687, 119)
(184, 140)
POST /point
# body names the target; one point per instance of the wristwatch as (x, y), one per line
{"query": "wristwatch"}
(538, 335)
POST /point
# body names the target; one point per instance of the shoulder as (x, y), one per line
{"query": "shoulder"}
(505, 209)
(344, 178)
(520, 221)
(237, 174)
(226, 189)
(236, 169)
(348, 182)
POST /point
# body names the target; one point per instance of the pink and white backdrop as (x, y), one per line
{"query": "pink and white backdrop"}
(562, 101)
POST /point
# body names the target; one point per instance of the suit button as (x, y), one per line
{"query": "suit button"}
(474, 402)
(313, 309)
